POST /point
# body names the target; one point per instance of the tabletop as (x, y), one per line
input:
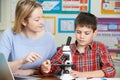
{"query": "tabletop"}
(50, 78)
(57, 78)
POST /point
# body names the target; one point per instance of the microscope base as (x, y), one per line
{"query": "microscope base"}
(66, 77)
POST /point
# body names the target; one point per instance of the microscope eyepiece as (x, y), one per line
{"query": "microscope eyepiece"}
(68, 40)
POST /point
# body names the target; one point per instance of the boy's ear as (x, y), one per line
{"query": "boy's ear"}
(95, 33)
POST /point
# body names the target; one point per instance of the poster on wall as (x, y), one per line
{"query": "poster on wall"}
(110, 6)
(66, 25)
(65, 6)
(109, 34)
(50, 24)
(0, 10)
(12, 9)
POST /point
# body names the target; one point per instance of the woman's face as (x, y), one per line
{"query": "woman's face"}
(35, 21)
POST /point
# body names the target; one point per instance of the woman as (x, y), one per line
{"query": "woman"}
(27, 44)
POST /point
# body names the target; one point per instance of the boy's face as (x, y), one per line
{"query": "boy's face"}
(84, 35)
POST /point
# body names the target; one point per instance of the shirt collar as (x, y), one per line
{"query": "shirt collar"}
(89, 45)
(74, 47)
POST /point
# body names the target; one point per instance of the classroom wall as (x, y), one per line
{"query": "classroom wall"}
(95, 9)
(60, 37)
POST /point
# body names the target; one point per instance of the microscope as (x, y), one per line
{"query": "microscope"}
(67, 66)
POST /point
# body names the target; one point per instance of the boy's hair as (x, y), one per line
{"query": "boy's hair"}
(85, 19)
(24, 9)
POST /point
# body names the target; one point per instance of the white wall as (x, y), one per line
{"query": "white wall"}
(60, 37)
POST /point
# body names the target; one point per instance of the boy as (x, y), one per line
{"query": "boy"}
(91, 58)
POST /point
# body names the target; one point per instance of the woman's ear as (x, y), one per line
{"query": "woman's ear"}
(95, 33)
(24, 22)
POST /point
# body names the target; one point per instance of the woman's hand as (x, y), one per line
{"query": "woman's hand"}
(15, 65)
(25, 72)
(32, 57)
(46, 66)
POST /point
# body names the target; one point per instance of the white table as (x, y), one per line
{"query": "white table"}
(98, 79)
(104, 79)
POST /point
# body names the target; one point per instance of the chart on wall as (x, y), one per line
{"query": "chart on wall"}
(66, 25)
(0, 10)
(50, 24)
(65, 6)
(109, 33)
(12, 9)
(110, 6)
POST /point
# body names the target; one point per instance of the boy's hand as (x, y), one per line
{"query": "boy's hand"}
(46, 66)
(77, 74)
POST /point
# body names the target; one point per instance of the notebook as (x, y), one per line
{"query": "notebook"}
(6, 73)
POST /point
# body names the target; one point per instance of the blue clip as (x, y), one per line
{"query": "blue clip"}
(104, 79)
